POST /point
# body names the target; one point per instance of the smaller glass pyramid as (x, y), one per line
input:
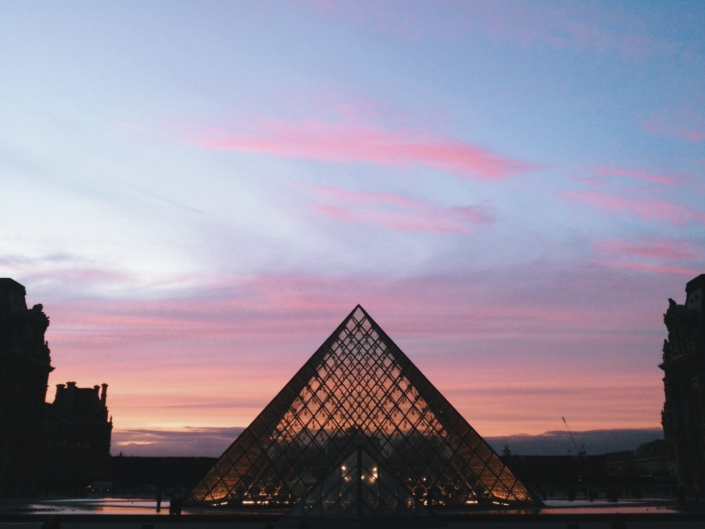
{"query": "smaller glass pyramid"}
(360, 489)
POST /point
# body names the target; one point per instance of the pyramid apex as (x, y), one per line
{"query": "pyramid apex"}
(357, 313)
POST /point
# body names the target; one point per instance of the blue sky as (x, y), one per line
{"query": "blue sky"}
(199, 192)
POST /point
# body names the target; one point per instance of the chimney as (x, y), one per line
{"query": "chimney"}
(69, 395)
(104, 395)
(60, 388)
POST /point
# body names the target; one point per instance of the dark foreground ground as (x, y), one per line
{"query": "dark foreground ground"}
(690, 519)
(493, 524)
(112, 512)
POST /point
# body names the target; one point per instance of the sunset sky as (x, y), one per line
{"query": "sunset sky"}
(198, 192)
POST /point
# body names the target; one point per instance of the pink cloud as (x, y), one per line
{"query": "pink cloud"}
(652, 256)
(323, 5)
(52, 271)
(664, 129)
(692, 135)
(660, 269)
(236, 309)
(656, 249)
(346, 141)
(647, 209)
(216, 355)
(576, 26)
(638, 174)
(386, 17)
(683, 121)
(397, 212)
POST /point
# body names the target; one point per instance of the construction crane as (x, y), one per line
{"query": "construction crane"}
(580, 452)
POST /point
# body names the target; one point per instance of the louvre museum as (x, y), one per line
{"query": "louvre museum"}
(683, 415)
(358, 436)
(43, 446)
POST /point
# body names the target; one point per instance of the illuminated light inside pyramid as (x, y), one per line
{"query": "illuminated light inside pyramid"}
(360, 390)
(360, 488)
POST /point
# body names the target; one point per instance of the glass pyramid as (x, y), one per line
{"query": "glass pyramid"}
(360, 390)
(360, 488)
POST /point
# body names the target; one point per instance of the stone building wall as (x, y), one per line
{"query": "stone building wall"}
(683, 415)
(42, 444)
(76, 437)
(24, 370)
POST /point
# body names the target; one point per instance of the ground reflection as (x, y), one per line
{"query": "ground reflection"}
(116, 505)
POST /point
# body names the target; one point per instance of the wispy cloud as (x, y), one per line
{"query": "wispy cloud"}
(203, 442)
(658, 255)
(638, 174)
(656, 249)
(574, 26)
(344, 141)
(231, 310)
(67, 270)
(646, 209)
(684, 121)
(156, 354)
(657, 268)
(397, 212)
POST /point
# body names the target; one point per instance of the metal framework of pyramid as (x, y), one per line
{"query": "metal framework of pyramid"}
(360, 488)
(360, 390)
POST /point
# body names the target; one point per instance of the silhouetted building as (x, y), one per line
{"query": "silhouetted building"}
(360, 399)
(76, 433)
(629, 473)
(24, 370)
(683, 415)
(68, 439)
(650, 459)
